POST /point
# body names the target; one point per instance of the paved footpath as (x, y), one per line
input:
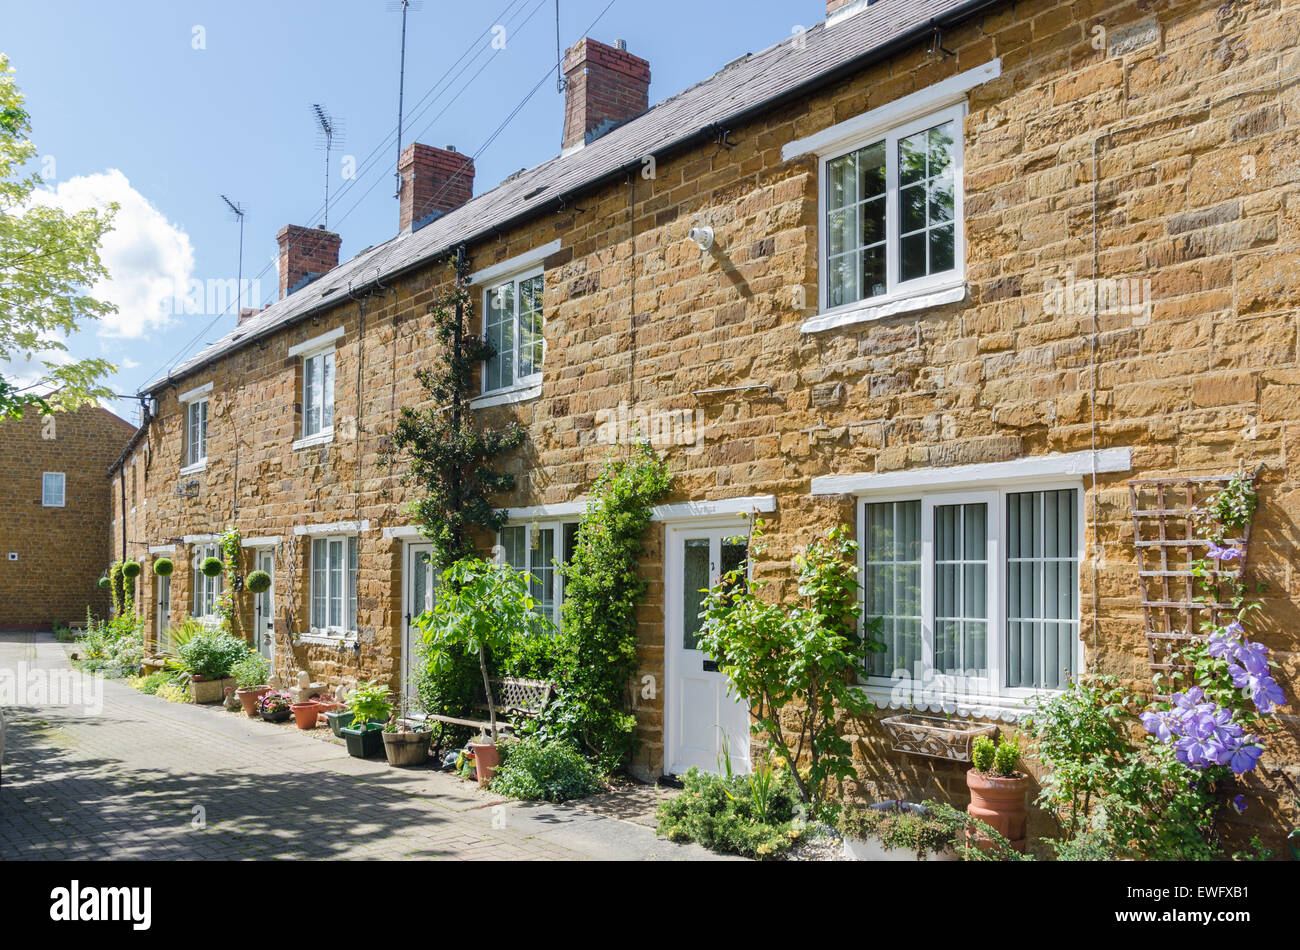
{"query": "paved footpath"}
(144, 778)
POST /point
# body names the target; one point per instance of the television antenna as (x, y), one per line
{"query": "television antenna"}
(331, 132)
(403, 7)
(238, 211)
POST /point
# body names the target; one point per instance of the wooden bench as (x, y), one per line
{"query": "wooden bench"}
(515, 699)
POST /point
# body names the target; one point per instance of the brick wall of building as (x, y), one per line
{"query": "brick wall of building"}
(1188, 113)
(60, 551)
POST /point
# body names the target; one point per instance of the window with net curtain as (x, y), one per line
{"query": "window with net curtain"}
(947, 606)
(334, 585)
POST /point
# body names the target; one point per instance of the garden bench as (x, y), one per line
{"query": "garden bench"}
(515, 698)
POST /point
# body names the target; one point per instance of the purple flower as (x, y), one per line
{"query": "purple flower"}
(1245, 757)
(1162, 724)
(1239, 804)
(1218, 553)
(1254, 657)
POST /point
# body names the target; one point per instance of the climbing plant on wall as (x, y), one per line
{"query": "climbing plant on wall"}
(229, 542)
(603, 590)
(449, 454)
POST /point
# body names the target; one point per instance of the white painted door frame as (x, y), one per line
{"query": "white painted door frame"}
(675, 535)
(162, 609)
(264, 560)
(410, 551)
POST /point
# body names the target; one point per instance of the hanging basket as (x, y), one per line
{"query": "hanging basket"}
(212, 567)
(936, 737)
(163, 567)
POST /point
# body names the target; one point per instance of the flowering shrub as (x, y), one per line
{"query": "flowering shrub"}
(1212, 724)
(274, 701)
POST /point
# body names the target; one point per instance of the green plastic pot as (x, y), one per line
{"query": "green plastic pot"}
(365, 741)
(338, 719)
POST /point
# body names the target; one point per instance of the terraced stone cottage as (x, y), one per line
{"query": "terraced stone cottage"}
(954, 273)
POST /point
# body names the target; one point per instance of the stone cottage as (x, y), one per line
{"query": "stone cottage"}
(952, 273)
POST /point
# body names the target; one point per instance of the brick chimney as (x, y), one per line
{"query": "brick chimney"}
(305, 254)
(845, 8)
(434, 181)
(604, 86)
(248, 313)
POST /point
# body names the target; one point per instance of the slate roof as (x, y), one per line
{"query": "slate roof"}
(748, 85)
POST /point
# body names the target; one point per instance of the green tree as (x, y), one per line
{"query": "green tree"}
(796, 665)
(47, 258)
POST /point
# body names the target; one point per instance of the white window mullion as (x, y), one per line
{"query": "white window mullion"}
(927, 585)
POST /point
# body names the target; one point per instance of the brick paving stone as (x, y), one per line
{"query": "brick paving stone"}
(137, 778)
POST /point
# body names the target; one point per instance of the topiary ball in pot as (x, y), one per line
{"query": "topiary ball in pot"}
(163, 567)
(131, 569)
(103, 583)
(258, 582)
(212, 567)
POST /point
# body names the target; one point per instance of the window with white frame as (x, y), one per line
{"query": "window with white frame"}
(539, 550)
(892, 205)
(334, 585)
(207, 590)
(52, 489)
(512, 323)
(318, 394)
(977, 590)
(196, 432)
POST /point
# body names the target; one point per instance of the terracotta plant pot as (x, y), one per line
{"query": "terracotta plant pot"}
(486, 760)
(305, 715)
(249, 698)
(1000, 803)
(407, 748)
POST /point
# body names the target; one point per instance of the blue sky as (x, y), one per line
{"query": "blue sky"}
(163, 106)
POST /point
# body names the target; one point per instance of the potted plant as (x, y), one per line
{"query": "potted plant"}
(487, 758)
(405, 744)
(251, 675)
(997, 789)
(935, 737)
(899, 831)
(370, 710)
(209, 657)
(275, 706)
(306, 714)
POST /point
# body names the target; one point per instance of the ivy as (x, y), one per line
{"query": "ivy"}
(449, 455)
(603, 591)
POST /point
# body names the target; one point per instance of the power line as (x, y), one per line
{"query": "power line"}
(500, 128)
(366, 167)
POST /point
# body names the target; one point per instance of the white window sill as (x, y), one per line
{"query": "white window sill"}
(1007, 707)
(195, 468)
(504, 397)
(311, 441)
(878, 308)
(317, 638)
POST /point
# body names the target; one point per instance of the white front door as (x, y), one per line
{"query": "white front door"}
(706, 721)
(264, 604)
(418, 584)
(161, 635)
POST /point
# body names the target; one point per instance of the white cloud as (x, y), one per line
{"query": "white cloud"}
(149, 259)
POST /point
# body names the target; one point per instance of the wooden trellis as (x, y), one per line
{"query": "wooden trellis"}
(1175, 604)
